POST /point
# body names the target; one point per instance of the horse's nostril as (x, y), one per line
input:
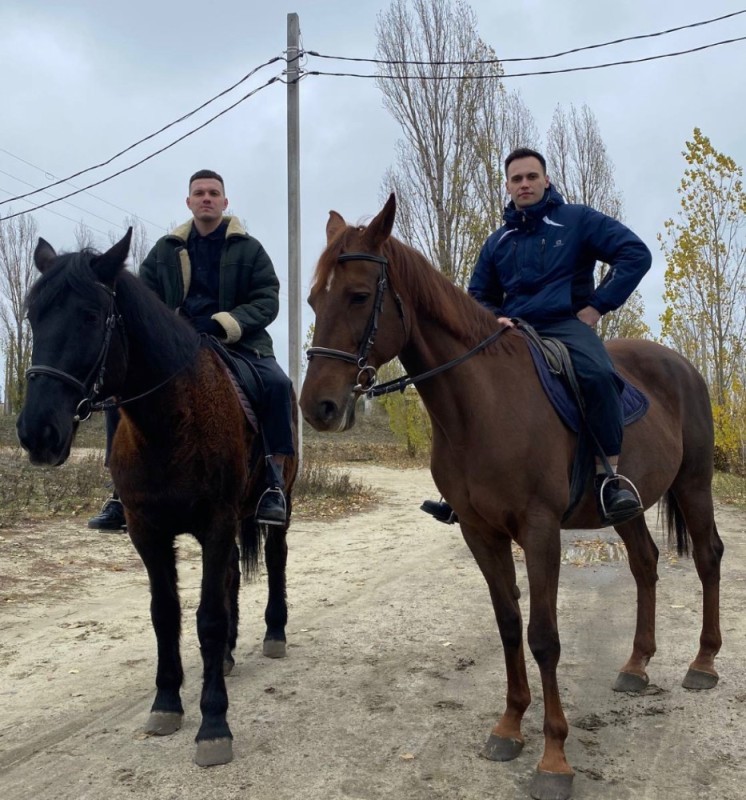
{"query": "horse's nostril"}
(327, 410)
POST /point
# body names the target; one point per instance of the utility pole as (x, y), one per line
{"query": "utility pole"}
(294, 271)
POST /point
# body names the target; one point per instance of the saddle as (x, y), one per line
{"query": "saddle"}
(243, 377)
(559, 382)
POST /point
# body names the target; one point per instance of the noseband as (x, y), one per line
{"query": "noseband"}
(366, 372)
(96, 376)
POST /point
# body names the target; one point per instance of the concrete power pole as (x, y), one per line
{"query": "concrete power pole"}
(294, 271)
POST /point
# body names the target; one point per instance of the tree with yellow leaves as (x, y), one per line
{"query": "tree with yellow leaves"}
(705, 281)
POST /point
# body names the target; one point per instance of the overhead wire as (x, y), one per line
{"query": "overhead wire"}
(501, 76)
(49, 175)
(477, 62)
(146, 158)
(149, 136)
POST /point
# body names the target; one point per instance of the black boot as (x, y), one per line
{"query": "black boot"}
(272, 507)
(616, 504)
(110, 518)
(440, 510)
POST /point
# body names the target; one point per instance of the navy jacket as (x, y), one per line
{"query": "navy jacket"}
(539, 265)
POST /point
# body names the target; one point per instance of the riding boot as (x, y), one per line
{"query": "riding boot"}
(111, 516)
(616, 504)
(272, 506)
(440, 510)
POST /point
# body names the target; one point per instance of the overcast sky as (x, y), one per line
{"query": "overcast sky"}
(84, 79)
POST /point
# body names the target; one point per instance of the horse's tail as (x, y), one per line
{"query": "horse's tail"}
(676, 524)
(250, 540)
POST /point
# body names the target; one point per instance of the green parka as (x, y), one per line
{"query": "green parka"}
(249, 289)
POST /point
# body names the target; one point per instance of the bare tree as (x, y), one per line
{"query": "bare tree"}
(581, 170)
(84, 238)
(17, 242)
(140, 244)
(455, 118)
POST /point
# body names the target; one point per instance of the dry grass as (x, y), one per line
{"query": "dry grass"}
(78, 488)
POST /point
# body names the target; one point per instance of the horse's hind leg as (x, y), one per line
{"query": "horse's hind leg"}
(495, 560)
(233, 582)
(157, 553)
(276, 612)
(695, 505)
(643, 563)
(214, 738)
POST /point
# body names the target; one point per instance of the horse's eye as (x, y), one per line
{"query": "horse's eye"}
(359, 299)
(90, 317)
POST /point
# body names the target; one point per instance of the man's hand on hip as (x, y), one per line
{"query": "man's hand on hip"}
(589, 315)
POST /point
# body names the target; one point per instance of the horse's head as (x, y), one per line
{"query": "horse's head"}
(77, 345)
(359, 323)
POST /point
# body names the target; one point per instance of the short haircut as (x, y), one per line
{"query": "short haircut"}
(204, 174)
(525, 152)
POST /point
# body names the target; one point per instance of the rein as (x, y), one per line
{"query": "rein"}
(366, 344)
(88, 404)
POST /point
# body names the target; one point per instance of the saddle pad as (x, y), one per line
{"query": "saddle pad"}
(634, 402)
(244, 379)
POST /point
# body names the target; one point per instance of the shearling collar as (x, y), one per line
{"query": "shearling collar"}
(235, 228)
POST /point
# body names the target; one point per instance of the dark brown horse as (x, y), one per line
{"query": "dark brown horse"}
(502, 458)
(184, 459)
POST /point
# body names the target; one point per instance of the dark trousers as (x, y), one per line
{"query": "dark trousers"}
(275, 409)
(600, 386)
(274, 412)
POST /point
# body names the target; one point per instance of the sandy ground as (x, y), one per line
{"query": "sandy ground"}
(393, 679)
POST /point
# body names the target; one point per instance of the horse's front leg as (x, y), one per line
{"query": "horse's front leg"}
(214, 738)
(541, 544)
(492, 552)
(157, 552)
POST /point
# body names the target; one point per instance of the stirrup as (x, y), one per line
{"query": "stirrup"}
(281, 517)
(623, 516)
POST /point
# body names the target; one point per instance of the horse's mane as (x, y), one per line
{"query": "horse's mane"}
(427, 289)
(169, 340)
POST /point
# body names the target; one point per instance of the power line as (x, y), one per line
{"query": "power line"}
(146, 138)
(79, 208)
(51, 211)
(147, 158)
(528, 58)
(94, 196)
(525, 74)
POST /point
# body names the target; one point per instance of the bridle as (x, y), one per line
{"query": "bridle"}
(95, 378)
(365, 370)
(361, 359)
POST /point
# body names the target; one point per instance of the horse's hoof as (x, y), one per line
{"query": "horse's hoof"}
(228, 666)
(163, 723)
(211, 752)
(551, 785)
(499, 749)
(274, 648)
(631, 682)
(696, 679)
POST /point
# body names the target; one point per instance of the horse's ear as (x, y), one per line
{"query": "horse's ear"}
(108, 265)
(44, 255)
(380, 228)
(334, 225)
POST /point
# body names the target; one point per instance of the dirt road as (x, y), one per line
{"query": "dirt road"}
(393, 679)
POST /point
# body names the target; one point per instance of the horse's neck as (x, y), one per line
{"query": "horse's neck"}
(451, 394)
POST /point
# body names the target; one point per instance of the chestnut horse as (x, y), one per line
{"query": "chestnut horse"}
(185, 459)
(502, 458)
